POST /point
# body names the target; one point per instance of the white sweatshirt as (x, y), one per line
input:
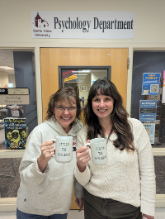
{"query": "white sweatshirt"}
(49, 192)
(127, 177)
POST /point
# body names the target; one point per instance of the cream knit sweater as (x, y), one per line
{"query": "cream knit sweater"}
(127, 177)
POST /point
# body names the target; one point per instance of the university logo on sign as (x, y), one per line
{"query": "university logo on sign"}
(82, 24)
(39, 22)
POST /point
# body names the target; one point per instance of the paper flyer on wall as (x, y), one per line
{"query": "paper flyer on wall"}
(163, 89)
(15, 133)
(150, 84)
(150, 128)
(147, 111)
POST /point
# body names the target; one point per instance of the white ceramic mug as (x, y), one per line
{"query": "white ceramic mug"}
(98, 150)
(63, 148)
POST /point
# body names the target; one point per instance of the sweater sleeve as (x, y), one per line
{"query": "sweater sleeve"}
(82, 177)
(78, 189)
(30, 173)
(146, 170)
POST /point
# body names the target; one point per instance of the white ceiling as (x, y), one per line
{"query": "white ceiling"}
(6, 59)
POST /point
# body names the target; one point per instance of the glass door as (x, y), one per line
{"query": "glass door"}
(81, 78)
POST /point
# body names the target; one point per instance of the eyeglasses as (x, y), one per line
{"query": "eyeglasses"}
(62, 108)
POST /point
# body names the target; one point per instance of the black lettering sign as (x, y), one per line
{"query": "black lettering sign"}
(3, 91)
(71, 24)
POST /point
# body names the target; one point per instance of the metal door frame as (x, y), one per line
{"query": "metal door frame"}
(60, 68)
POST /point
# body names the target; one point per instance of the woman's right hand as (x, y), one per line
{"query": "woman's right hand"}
(47, 150)
(83, 157)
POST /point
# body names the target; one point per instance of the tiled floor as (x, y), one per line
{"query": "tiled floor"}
(74, 214)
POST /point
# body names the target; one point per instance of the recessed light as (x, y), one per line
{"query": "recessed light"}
(6, 68)
(81, 71)
(80, 74)
(86, 70)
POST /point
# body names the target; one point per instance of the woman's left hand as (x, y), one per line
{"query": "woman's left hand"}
(147, 217)
(80, 203)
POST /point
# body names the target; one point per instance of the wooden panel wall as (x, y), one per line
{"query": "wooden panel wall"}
(51, 58)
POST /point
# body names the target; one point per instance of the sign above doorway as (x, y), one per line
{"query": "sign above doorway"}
(82, 24)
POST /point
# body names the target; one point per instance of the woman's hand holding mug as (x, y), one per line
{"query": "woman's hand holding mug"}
(83, 157)
(47, 150)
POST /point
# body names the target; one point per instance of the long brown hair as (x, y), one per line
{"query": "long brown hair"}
(120, 123)
(66, 93)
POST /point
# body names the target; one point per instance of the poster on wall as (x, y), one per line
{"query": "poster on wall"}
(15, 133)
(69, 75)
(150, 128)
(147, 110)
(82, 24)
(150, 84)
(83, 88)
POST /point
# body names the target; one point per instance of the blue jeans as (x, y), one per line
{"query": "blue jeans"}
(22, 215)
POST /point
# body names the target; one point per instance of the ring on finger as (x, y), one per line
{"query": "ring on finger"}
(49, 152)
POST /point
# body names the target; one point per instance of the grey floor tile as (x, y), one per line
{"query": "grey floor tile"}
(74, 214)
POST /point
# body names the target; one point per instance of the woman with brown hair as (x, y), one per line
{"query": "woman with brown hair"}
(46, 185)
(123, 187)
